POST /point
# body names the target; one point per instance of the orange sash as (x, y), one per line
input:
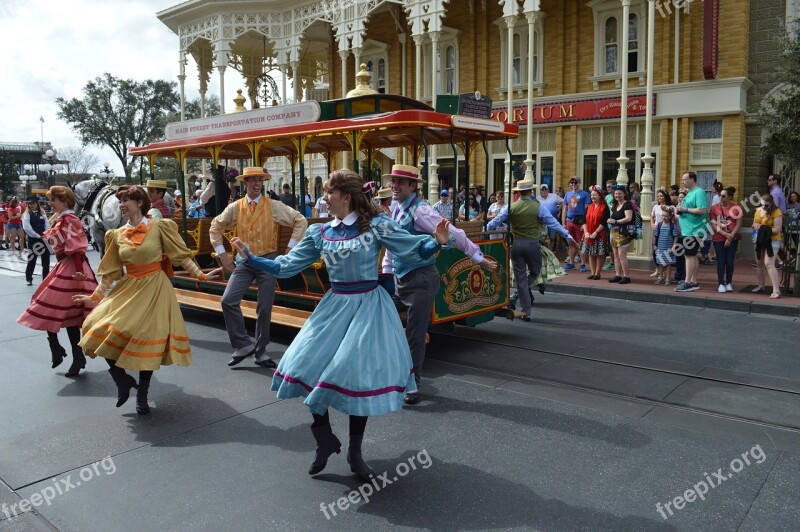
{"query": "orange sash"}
(139, 271)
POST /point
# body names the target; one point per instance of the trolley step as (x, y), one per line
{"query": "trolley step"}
(287, 317)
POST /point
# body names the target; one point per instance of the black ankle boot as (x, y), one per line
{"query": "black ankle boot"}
(78, 358)
(327, 444)
(57, 352)
(78, 362)
(124, 384)
(356, 461)
(142, 408)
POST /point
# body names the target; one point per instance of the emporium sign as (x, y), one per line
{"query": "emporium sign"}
(284, 115)
(575, 110)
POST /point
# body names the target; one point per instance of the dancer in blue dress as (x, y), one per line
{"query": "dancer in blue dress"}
(351, 354)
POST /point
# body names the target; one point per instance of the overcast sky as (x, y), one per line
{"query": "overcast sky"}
(51, 48)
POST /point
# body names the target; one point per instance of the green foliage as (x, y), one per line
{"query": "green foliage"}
(119, 113)
(8, 173)
(780, 112)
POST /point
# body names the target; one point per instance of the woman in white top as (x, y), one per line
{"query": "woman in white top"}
(495, 209)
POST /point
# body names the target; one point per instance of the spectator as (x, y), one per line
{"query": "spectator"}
(475, 212)
(35, 223)
(553, 203)
(778, 198)
(308, 202)
(610, 202)
(444, 206)
(320, 208)
(560, 192)
(156, 189)
(384, 200)
(594, 233)
(574, 216)
(480, 197)
(16, 236)
(693, 219)
(196, 209)
(495, 209)
(726, 221)
(635, 194)
(768, 223)
(492, 198)
(793, 208)
(623, 232)
(287, 198)
(666, 237)
(662, 199)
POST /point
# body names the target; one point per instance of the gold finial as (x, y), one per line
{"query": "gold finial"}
(239, 101)
(362, 87)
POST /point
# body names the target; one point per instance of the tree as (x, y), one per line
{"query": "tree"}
(780, 112)
(78, 162)
(119, 113)
(167, 168)
(8, 173)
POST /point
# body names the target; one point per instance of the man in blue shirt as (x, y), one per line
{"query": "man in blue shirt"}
(573, 218)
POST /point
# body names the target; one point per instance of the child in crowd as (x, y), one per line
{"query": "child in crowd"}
(666, 235)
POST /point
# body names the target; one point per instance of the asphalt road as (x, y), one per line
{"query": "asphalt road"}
(597, 415)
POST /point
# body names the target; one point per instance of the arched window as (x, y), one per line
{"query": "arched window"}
(611, 45)
(516, 59)
(450, 69)
(381, 76)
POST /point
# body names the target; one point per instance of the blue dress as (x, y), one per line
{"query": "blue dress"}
(352, 353)
(664, 235)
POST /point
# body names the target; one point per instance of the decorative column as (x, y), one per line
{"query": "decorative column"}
(181, 83)
(344, 54)
(221, 69)
(510, 22)
(433, 165)
(418, 66)
(400, 152)
(284, 74)
(647, 172)
(532, 17)
(295, 80)
(622, 174)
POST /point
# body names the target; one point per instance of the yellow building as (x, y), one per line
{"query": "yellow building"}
(571, 48)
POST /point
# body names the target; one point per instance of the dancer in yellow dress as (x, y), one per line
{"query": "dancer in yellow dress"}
(139, 325)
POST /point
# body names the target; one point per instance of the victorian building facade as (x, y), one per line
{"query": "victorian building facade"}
(564, 56)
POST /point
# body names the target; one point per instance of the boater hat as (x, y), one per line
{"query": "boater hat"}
(251, 171)
(384, 193)
(157, 183)
(402, 170)
(524, 185)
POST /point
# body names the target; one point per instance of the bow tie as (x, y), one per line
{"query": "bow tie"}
(130, 232)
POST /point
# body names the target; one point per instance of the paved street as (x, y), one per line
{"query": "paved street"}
(600, 414)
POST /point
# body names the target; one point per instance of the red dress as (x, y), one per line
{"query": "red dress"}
(51, 307)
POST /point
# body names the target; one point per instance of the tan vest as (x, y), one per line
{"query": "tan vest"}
(257, 228)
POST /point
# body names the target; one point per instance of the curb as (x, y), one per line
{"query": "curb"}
(748, 307)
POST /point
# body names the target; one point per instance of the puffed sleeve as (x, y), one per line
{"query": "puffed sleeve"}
(111, 264)
(171, 241)
(402, 244)
(75, 242)
(298, 259)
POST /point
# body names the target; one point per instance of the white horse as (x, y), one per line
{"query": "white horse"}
(98, 208)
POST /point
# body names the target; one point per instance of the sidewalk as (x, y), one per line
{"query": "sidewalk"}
(642, 288)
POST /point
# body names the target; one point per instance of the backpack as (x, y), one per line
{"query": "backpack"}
(671, 230)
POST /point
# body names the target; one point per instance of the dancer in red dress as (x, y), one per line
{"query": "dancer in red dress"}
(52, 308)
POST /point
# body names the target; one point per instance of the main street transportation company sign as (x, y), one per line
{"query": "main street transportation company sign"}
(285, 115)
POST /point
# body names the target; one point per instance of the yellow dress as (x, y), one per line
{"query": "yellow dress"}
(139, 324)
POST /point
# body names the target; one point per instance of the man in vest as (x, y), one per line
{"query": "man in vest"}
(156, 188)
(255, 218)
(527, 216)
(417, 283)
